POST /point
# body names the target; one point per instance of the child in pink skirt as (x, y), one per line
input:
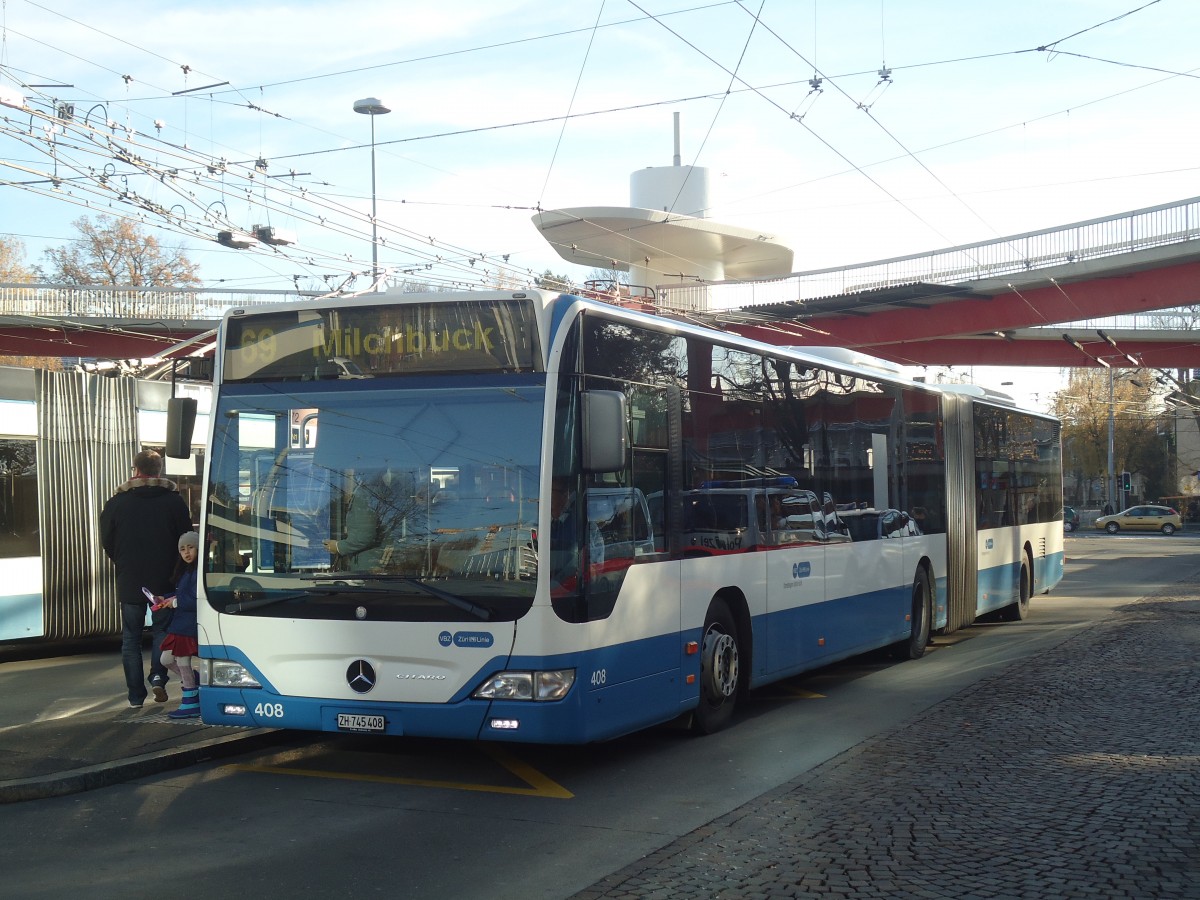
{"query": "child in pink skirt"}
(179, 647)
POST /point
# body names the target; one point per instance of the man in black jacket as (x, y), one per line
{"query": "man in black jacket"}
(140, 526)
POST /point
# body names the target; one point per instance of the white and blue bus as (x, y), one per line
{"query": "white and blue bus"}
(67, 439)
(527, 516)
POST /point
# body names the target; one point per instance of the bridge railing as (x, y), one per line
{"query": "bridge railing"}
(101, 301)
(1157, 320)
(1141, 229)
(1156, 226)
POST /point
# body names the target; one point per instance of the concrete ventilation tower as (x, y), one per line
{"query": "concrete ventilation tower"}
(664, 237)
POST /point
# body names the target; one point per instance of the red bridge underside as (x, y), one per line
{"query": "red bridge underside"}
(948, 330)
(963, 331)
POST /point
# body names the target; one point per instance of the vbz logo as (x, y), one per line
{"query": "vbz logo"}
(988, 544)
(801, 569)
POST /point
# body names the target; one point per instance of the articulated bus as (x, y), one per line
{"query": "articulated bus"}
(67, 439)
(526, 516)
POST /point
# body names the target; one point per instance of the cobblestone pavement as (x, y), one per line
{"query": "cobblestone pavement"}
(1073, 774)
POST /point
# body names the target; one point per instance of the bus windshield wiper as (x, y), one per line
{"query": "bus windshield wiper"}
(454, 600)
(258, 602)
(319, 590)
(461, 603)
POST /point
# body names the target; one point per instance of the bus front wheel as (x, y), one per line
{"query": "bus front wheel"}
(719, 670)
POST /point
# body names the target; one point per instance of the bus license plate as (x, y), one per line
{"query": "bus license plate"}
(355, 722)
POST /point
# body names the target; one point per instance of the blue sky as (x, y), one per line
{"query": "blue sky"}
(501, 107)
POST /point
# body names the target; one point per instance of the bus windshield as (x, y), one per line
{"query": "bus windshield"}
(347, 499)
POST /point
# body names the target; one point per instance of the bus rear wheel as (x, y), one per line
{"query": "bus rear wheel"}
(720, 670)
(1020, 610)
(921, 617)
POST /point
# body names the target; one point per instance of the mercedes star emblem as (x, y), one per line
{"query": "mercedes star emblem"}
(360, 676)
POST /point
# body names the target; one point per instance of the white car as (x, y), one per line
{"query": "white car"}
(879, 524)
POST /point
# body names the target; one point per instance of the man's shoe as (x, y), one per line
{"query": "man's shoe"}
(160, 693)
(135, 704)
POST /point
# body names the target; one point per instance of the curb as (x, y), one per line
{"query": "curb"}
(105, 774)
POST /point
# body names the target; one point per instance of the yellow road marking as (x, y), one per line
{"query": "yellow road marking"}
(539, 784)
(801, 693)
(542, 786)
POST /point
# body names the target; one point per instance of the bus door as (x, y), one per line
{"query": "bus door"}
(871, 588)
(795, 574)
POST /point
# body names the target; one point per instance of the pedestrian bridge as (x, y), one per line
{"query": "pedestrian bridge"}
(1007, 301)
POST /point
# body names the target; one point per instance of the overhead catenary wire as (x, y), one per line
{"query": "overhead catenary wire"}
(465, 254)
(824, 141)
(571, 103)
(134, 151)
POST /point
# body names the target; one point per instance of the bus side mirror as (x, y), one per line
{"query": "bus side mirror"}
(605, 431)
(181, 421)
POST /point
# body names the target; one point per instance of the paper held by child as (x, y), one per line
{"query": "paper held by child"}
(156, 602)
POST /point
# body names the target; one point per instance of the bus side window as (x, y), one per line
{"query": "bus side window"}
(760, 512)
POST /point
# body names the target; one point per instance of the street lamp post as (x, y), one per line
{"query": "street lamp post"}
(1112, 478)
(371, 106)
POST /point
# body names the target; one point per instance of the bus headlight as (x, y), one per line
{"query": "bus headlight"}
(226, 673)
(549, 685)
(552, 685)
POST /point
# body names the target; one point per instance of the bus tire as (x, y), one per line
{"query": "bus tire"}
(1019, 611)
(921, 617)
(720, 669)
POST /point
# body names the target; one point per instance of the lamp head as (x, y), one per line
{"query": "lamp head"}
(371, 106)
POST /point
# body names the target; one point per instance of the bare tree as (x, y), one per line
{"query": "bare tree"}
(551, 282)
(1136, 411)
(608, 276)
(118, 252)
(13, 270)
(51, 363)
(1183, 318)
(509, 280)
(12, 262)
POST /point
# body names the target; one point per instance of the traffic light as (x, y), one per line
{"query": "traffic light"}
(1126, 483)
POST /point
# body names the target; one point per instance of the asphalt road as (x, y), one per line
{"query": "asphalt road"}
(349, 816)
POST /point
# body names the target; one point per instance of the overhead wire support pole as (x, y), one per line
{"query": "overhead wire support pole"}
(1112, 474)
(1112, 477)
